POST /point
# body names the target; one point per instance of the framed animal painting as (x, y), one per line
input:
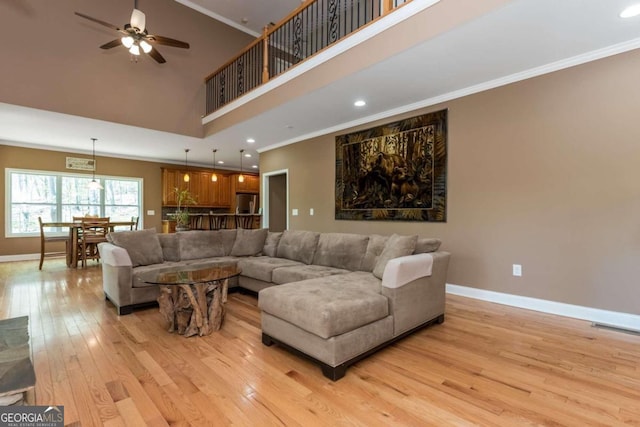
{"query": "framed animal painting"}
(395, 172)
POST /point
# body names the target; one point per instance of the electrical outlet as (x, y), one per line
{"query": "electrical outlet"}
(517, 270)
(311, 211)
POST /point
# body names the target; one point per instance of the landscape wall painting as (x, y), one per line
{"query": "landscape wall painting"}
(395, 172)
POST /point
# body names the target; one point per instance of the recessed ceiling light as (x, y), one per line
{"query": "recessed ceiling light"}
(255, 166)
(221, 162)
(631, 11)
(359, 103)
(251, 140)
(247, 155)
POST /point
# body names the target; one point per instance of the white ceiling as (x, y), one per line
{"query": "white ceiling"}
(250, 16)
(520, 40)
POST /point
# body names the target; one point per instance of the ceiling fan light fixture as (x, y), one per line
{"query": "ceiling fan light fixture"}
(127, 41)
(138, 20)
(134, 50)
(146, 47)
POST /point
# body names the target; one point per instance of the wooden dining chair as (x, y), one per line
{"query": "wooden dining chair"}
(92, 232)
(134, 222)
(48, 238)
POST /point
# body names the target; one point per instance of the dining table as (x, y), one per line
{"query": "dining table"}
(74, 226)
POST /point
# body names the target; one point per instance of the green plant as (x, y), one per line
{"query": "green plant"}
(183, 199)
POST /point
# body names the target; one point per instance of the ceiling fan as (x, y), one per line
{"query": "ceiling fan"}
(135, 36)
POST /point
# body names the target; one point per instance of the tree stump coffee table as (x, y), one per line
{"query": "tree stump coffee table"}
(192, 301)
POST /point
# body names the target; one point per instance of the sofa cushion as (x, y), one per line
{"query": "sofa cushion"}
(228, 239)
(262, 267)
(426, 245)
(249, 242)
(395, 247)
(298, 245)
(375, 246)
(341, 250)
(302, 272)
(143, 246)
(326, 306)
(170, 246)
(271, 243)
(199, 244)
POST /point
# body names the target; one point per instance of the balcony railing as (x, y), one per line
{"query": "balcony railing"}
(313, 26)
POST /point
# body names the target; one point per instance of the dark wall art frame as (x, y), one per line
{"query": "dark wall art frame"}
(394, 172)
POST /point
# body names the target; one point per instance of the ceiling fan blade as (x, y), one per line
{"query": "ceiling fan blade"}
(111, 44)
(156, 55)
(138, 20)
(167, 41)
(106, 24)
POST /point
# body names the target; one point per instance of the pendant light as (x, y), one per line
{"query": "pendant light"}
(241, 177)
(186, 177)
(214, 177)
(94, 185)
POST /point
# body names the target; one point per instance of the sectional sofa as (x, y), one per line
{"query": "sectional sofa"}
(332, 297)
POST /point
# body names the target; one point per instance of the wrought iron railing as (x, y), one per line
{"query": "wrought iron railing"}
(313, 26)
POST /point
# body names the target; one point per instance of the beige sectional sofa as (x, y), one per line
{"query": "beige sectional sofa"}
(339, 296)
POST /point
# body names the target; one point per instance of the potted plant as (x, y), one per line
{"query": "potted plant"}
(183, 198)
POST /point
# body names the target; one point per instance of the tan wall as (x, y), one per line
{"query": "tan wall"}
(25, 158)
(543, 173)
(54, 62)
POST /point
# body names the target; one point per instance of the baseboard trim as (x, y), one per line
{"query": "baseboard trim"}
(620, 320)
(21, 257)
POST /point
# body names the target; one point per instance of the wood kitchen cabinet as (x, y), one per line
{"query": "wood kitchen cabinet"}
(251, 184)
(205, 192)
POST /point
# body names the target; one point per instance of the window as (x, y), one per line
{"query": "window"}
(58, 197)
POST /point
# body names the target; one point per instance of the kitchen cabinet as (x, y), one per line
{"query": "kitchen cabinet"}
(205, 192)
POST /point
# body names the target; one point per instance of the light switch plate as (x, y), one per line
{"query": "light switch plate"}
(294, 212)
(151, 212)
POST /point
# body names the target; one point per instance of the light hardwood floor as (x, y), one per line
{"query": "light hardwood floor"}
(486, 365)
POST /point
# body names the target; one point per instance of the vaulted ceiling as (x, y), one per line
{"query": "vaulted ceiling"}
(451, 49)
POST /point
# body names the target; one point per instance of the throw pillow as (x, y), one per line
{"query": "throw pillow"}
(271, 244)
(249, 242)
(395, 247)
(298, 245)
(426, 244)
(170, 246)
(143, 246)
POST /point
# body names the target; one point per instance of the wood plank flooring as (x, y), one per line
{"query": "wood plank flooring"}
(486, 365)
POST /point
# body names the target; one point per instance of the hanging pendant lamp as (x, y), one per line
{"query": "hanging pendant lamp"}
(94, 185)
(241, 177)
(214, 177)
(186, 177)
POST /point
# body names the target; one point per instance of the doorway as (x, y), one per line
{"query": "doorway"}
(275, 200)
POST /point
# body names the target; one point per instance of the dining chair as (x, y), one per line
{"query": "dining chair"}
(92, 232)
(134, 222)
(45, 238)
